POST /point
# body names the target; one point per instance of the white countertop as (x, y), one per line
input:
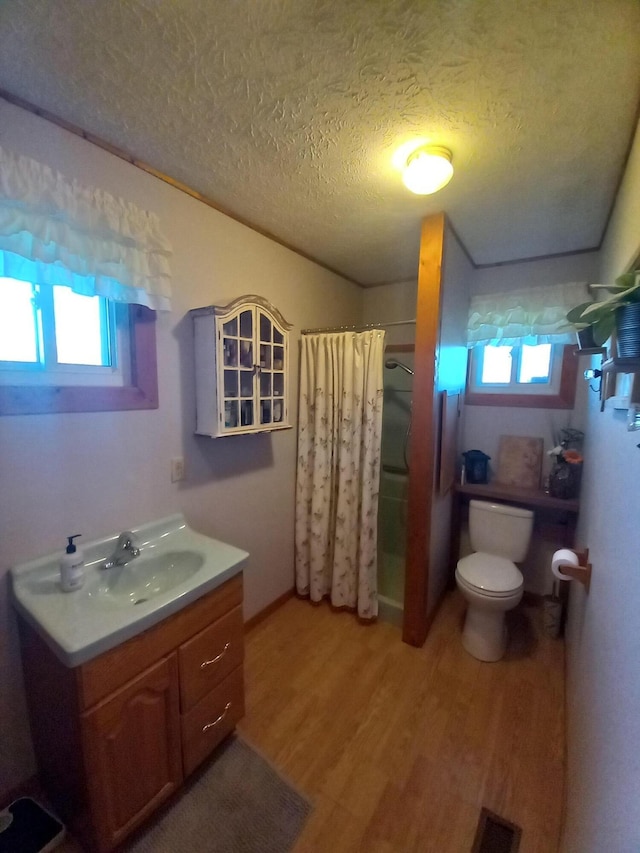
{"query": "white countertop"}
(82, 624)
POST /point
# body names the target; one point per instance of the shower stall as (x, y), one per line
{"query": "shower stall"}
(394, 484)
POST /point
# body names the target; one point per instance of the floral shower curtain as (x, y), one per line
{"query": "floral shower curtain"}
(338, 474)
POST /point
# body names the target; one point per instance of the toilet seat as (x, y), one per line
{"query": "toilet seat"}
(489, 575)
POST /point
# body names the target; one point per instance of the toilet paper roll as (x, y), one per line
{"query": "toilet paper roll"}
(563, 557)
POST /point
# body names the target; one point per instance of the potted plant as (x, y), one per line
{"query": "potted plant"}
(620, 311)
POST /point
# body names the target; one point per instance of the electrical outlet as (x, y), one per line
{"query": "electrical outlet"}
(177, 469)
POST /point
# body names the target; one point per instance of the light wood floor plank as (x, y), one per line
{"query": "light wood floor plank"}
(399, 747)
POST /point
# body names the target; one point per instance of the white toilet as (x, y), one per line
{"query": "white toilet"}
(488, 578)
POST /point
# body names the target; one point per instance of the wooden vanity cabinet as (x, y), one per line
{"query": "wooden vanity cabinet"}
(116, 736)
(131, 745)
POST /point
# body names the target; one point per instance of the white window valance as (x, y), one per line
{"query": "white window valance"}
(55, 231)
(536, 315)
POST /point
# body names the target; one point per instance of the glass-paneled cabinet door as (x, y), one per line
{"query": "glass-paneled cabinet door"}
(237, 404)
(272, 371)
(250, 342)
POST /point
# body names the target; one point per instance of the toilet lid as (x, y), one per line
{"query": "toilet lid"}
(489, 572)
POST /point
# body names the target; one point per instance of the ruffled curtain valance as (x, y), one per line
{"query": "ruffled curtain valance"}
(533, 316)
(55, 231)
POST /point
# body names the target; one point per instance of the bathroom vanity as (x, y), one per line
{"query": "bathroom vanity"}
(116, 734)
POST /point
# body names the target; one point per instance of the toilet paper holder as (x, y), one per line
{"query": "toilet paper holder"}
(582, 572)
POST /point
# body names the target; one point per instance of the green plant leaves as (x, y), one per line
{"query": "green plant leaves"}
(575, 315)
(601, 315)
(603, 329)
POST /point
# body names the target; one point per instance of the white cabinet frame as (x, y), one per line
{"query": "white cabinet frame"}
(242, 368)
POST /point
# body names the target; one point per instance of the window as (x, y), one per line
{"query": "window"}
(511, 367)
(51, 335)
(63, 351)
(539, 375)
(60, 351)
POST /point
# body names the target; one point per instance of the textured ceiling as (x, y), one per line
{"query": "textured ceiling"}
(288, 112)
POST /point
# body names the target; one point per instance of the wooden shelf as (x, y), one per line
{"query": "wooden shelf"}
(591, 351)
(610, 370)
(513, 494)
(621, 365)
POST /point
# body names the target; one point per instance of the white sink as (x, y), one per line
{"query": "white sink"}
(176, 566)
(144, 578)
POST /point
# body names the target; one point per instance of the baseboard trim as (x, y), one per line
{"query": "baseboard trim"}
(431, 617)
(268, 610)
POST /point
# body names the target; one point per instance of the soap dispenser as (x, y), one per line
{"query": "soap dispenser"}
(72, 567)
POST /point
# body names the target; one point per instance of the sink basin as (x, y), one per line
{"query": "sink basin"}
(143, 579)
(175, 567)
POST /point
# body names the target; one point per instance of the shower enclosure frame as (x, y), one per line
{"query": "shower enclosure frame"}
(392, 606)
(418, 610)
(423, 450)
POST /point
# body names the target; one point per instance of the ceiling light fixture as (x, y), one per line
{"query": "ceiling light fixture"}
(428, 169)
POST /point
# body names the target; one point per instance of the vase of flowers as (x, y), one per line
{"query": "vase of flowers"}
(566, 471)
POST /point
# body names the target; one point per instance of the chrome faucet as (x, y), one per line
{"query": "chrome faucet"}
(125, 551)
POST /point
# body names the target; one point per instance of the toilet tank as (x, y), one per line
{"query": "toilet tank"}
(500, 529)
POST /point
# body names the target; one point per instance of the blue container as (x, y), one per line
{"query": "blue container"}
(475, 466)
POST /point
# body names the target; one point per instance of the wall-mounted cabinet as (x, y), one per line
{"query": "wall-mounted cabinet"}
(242, 368)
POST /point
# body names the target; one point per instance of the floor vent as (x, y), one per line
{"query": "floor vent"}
(495, 834)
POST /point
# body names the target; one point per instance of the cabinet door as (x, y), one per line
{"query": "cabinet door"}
(272, 371)
(132, 751)
(250, 350)
(238, 362)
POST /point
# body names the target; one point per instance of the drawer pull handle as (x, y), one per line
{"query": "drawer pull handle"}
(206, 663)
(219, 720)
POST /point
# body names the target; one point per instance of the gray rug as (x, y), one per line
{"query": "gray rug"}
(238, 804)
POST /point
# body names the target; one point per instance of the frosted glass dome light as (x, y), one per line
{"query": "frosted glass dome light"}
(428, 169)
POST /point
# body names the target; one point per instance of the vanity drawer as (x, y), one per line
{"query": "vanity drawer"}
(211, 720)
(101, 676)
(209, 657)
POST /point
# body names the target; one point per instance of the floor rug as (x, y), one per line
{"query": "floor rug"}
(237, 804)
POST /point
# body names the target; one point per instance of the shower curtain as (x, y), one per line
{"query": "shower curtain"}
(338, 471)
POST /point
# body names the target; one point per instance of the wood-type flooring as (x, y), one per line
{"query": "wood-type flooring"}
(399, 747)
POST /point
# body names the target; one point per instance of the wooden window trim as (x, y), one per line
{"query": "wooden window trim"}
(564, 399)
(142, 393)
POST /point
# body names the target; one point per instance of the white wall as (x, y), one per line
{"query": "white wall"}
(393, 303)
(524, 274)
(105, 472)
(603, 637)
(483, 425)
